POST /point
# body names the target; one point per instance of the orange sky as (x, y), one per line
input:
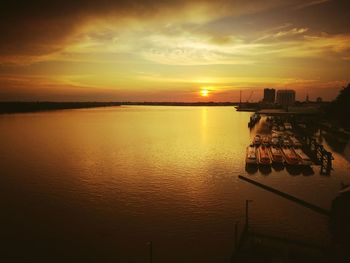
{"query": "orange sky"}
(171, 50)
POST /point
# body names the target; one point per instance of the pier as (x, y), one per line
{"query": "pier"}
(287, 196)
(251, 245)
(287, 132)
(317, 151)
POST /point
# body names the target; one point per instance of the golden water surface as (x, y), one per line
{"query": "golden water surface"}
(96, 185)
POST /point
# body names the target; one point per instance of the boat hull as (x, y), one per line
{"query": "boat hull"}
(251, 156)
(290, 157)
(263, 156)
(304, 160)
(276, 155)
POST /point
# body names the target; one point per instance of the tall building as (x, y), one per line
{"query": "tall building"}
(285, 97)
(269, 95)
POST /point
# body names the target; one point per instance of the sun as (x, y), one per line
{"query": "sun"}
(204, 92)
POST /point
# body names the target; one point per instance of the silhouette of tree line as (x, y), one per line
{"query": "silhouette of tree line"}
(15, 107)
(339, 109)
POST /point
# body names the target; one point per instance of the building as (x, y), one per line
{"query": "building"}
(269, 95)
(285, 97)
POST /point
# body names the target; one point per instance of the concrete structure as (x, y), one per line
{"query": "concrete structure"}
(269, 95)
(285, 97)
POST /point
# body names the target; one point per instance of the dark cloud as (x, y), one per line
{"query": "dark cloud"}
(35, 28)
(40, 27)
(331, 17)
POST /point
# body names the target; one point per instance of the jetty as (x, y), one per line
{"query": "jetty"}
(252, 245)
(294, 140)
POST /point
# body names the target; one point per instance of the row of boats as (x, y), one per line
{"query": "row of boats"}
(267, 155)
(279, 125)
(276, 139)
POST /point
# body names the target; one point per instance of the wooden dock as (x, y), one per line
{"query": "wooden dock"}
(254, 246)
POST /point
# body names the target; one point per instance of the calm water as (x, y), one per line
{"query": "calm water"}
(98, 184)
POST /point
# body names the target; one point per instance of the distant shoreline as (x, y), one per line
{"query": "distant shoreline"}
(23, 107)
(181, 103)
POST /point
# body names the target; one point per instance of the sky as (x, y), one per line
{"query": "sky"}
(165, 50)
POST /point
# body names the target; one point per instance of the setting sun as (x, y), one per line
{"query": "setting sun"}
(204, 92)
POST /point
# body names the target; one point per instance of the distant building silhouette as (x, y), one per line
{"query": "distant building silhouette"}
(269, 95)
(285, 97)
(319, 99)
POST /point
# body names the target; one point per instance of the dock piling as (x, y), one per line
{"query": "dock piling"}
(247, 213)
(236, 235)
(150, 244)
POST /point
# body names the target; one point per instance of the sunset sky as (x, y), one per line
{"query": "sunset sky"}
(172, 50)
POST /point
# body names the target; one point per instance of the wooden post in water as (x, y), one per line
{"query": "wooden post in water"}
(150, 251)
(236, 236)
(247, 213)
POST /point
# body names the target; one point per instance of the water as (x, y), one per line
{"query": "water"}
(96, 185)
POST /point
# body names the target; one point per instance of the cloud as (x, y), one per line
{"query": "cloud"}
(289, 34)
(190, 48)
(31, 29)
(292, 32)
(176, 44)
(36, 28)
(311, 3)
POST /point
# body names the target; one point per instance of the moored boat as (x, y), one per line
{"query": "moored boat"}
(263, 156)
(276, 155)
(290, 156)
(257, 140)
(295, 141)
(287, 126)
(304, 159)
(275, 139)
(254, 119)
(251, 158)
(278, 133)
(274, 128)
(286, 141)
(266, 140)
